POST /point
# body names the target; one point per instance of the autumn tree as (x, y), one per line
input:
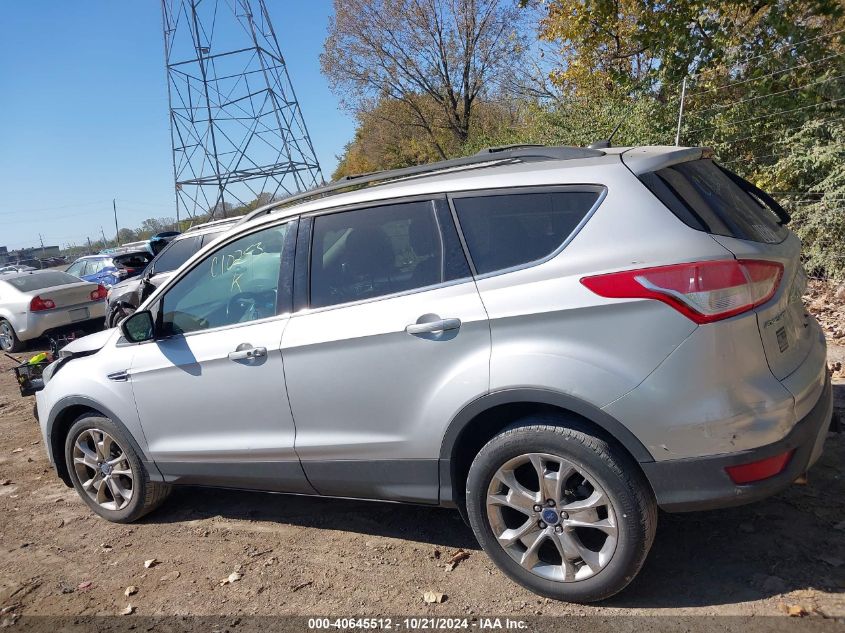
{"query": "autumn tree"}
(446, 53)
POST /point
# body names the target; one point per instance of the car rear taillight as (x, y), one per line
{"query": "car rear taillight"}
(99, 294)
(37, 304)
(702, 291)
(759, 470)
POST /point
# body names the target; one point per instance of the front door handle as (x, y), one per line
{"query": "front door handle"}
(432, 327)
(245, 351)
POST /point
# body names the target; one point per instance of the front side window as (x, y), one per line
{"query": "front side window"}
(368, 253)
(507, 230)
(236, 283)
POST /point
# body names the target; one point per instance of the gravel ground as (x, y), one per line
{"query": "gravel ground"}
(304, 556)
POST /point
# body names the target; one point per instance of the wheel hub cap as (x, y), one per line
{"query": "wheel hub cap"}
(549, 516)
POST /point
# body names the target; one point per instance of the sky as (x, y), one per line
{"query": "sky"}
(84, 113)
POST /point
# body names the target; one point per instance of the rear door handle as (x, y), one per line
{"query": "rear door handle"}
(432, 327)
(245, 351)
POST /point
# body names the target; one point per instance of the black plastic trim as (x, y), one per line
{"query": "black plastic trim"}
(72, 401)
(269, 476)
(542, 396)
(408, 480)
(302, 263)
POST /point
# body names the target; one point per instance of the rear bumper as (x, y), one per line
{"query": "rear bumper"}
(701, 483)
(40, 323)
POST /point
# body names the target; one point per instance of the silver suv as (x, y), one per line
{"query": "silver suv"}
(555, 341)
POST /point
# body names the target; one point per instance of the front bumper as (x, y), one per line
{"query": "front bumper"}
(701, 483)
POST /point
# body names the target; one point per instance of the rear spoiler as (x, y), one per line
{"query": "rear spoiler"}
(641, 160)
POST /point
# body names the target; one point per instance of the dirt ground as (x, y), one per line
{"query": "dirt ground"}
(304, 556)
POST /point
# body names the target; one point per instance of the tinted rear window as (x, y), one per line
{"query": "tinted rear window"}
(42, 280)
(507, 230)
(133, 260)
(706, 198)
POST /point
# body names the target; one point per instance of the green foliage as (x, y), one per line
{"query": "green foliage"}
(810, 181)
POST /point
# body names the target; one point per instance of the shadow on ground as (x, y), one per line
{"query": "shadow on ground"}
(778, 545)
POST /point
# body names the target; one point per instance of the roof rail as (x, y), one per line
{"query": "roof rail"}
(486, 157)
(205, 225)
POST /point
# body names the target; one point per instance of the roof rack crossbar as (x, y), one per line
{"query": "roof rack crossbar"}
(495, 155)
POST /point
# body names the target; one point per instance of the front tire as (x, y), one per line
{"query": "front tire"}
(560, 511)
(108, 473)
(9, 341)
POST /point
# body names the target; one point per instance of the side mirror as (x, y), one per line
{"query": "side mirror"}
(139, 327)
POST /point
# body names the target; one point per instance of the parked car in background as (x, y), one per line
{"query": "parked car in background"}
(112, 268)
(127, 295)
(556, 341)
(165, 235)
(41, 302)
(15, 268)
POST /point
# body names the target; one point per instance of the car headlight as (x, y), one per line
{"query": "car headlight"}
(50, 369)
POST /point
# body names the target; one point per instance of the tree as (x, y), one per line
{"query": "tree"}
(388, 137)
(417, 52)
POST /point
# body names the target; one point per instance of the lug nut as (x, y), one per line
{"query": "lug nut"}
(550, 503)
(564, 515)
(537, 508)
(541, 525)
(558, 529)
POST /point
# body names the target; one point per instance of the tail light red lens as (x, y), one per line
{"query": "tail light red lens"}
(759, 470)
(702, 291)
(38, 304)
(99, 294)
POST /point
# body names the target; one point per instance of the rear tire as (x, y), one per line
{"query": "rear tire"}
(108, 473)
(9, 341)
(581, 535)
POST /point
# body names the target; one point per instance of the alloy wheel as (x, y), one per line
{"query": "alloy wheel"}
(103, 469)
(552, 517)
(6, 335)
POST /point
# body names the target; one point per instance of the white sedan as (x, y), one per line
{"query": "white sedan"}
(38, 302)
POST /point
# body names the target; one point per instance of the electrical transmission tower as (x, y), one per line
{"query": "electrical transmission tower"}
(237, 130)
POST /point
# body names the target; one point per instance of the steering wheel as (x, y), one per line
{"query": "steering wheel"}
(249, 306)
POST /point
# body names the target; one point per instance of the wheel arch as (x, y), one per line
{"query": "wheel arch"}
(67, 411)
(488, 415)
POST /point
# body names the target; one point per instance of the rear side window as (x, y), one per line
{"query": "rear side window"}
(507, 230)
(368, 253)
(708, 198)
(175, 254)
(42, 280)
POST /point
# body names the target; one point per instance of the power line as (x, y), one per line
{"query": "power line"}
(767, 96)
(777, 131)
(771, 74)
(771, 114)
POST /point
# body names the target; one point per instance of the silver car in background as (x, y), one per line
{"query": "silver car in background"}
(38, 302)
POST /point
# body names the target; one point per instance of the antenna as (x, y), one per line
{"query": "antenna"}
(236, 127)
(606, 142)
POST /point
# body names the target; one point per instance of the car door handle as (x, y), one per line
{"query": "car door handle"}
(245, 351)
(432, 327)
